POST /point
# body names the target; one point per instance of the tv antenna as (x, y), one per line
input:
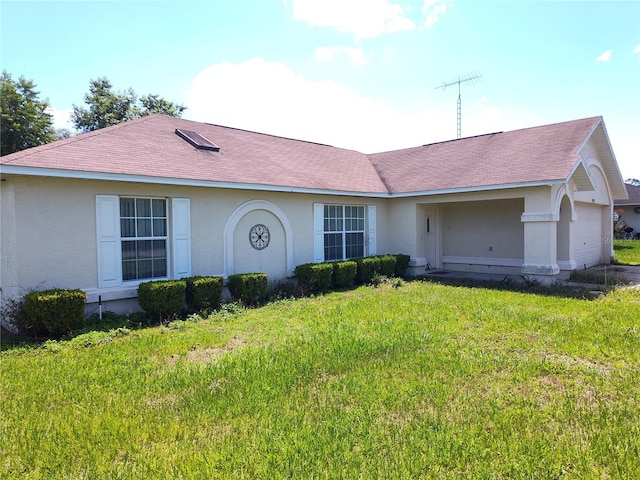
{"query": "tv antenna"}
(475, 78)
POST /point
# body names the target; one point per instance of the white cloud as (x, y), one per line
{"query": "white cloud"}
(363, 18)
(356, 56)
(61, 118)
(269, 97)
(605, 57)
(433, 9)
(637, 49)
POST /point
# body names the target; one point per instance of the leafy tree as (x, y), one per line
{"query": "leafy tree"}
(63, 133)
(24, 121)
(155, 104)
(107, 107)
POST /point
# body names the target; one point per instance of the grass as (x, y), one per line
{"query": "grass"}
(419, 381)
(408, 380)
(627, 252)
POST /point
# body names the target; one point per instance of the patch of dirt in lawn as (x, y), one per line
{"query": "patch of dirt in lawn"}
(203, 356)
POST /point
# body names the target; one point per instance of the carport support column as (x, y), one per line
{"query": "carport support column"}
(540, 244)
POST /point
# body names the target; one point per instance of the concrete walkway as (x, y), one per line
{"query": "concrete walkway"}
(628, 272)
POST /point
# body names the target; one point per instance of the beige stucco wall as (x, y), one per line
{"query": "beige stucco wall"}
(462, 230)
(49, 230)
(485, 229)
(52, 242)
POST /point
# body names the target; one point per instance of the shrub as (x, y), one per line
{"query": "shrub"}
(367, 268)
(53, 312)
(162, 299)
(249, 288)
(387, 265)
(314, 277)
(203, 292)
(402, 264)
(344, 273)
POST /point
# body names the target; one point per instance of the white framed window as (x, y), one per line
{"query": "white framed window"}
(142, 238)
(143, 233)
(343, 231)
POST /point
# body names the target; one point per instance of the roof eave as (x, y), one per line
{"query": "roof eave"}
(475, 189)
(120, 177)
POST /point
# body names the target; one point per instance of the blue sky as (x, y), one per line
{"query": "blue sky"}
(360, 74)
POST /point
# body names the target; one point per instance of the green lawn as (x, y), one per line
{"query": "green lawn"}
(627, 251)
(420, 381)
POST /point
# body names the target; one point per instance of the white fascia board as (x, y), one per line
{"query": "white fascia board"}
(487, 188)
(119, 177)
(587, 137)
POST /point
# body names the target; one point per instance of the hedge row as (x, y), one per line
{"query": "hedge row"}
(320, 277)
(166, 298)
(53, 313)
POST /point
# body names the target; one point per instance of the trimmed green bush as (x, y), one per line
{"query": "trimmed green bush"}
(53, 312)
(368, 267)
(163, 298)
(344, 273)
(402, 263)
(203, 292)
(387, 265)
(314, 277)
(249, 288)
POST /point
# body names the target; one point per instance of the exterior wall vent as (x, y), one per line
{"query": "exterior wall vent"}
(197, 140)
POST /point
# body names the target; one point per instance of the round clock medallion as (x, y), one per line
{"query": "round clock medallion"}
(259, 236)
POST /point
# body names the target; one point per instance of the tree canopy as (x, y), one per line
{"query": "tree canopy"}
(106, 107)
(24, 121)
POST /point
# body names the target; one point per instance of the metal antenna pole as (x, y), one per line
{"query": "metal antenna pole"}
(472, 77)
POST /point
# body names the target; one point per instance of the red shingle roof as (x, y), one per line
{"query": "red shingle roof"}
(149, 147)
(522, 156)
(634, 195)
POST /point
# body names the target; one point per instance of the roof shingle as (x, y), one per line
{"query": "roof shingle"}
(148, 147)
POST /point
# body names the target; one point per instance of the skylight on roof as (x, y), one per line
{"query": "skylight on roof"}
(197, 140)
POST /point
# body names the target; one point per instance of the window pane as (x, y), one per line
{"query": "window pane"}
(159, 208)
(127, 207)
(143, 207)
(159, 227)
(159, 249)
(129, 270)
(160, 268)
(128, 227)
(145, 269)
(144, 249)
(144, 227)
(129, 251)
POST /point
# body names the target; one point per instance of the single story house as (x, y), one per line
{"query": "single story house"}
(162, 197)
(629, 209)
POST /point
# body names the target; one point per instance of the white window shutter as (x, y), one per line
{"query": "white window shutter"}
(181, 221)
(318, 232)
(372, 249)
(108, 235)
